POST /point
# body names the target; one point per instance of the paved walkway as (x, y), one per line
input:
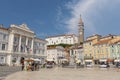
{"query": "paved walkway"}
(67, 74)
(6, 70)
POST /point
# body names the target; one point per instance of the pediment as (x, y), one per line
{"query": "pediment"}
(24, 26)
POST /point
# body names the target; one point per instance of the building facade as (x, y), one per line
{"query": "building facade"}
(76, 55)
(56, 54)
(102, 47)
(97, 47)
(115, 49)
(4, 36)
(40, 49)
(62, 39)
(20, 41)
(88, 48)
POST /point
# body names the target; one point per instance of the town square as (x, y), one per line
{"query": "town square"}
(59, 40)
(67, 73)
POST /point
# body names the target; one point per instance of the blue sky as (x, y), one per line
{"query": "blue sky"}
(53, 17)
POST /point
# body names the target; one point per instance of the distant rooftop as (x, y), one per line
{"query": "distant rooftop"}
(61, 35)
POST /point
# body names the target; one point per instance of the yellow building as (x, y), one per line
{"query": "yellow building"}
(102, 47)
(88, 46)
(97, 47)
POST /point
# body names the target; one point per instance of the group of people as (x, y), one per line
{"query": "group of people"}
(30, 65)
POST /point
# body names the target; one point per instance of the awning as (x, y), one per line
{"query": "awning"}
(50, 60)
(103, 60)
(117, 60)
(110, 60)
(29, 60)
(64, 60)
(37, 60)
(88, 60)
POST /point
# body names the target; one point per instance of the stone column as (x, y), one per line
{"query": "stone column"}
(31, 51)
(26, 45)
(10, 45)
(70, 53)
(9, 60)
(18, 61)
(19, 49)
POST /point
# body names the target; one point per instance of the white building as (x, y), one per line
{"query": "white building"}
(55, 54)
(76, 55)
(40, 49)
(62, 39)
(18, 41)
(4, 36)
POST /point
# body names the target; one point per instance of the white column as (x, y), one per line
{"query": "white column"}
(32, 46)
(19, 49)
(18, 61)
(10, 45)
(70, 53)
(9, 60)
(45, 48)
(26, 45)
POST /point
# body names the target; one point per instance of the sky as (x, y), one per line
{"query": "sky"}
(55, 17)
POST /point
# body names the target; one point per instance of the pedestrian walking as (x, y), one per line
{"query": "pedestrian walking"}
(23, 66)
(22, 63)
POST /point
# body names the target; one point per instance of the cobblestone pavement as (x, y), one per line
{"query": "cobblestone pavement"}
(7, 70)
(2, 78)
(67, 74)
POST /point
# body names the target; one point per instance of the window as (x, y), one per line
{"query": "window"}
(70, 41)
(61, 41)
(2, 57)
(98, 51)
(112, 46)
(112, 50)
(3, 46)
(90, 55)
(106, 49)
(90, 43)
(94, 52)
(4, 36)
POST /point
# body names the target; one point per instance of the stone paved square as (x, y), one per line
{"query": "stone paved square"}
(67, 74)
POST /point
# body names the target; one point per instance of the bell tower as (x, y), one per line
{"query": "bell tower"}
(80, 31)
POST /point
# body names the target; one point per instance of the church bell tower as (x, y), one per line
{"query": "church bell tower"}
(80, 31)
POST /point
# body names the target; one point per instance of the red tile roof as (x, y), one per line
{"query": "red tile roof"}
(115, 42)
(103, 41)
(61, 35)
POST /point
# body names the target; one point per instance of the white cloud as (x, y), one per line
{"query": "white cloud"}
(80, 7)
(88, 9)
(59, 13)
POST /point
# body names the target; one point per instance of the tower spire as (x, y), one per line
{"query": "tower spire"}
(81, 21)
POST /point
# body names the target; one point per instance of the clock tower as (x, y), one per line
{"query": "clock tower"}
(80, 31)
